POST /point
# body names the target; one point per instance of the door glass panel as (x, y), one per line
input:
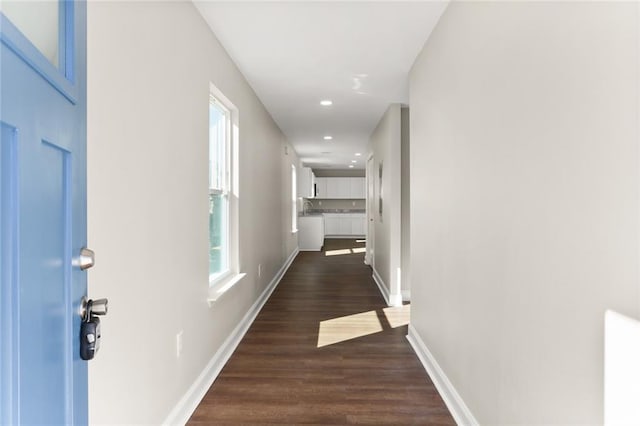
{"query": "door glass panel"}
(39, 22)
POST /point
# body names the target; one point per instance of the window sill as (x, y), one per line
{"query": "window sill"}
(219, 289)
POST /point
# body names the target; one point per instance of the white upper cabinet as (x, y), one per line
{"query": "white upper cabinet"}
(358, 187)
(321, 187)
(341, 187)
(344, 187)
(334, 187)
(306, 179)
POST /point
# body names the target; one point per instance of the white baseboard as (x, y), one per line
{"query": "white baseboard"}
(306, 249)
(189, 402)
(390, 299)
(406, 295)
(459, 410)
(381, 286)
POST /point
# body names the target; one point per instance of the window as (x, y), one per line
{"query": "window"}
(294, 198)
(219, 183)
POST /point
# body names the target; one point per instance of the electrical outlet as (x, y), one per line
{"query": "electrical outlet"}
(259, 270)
(319, 203)
(353, 203)
(179, 344)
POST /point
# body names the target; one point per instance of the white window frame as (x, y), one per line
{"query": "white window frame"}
(223, 187)
(294, 200)
(221, 282)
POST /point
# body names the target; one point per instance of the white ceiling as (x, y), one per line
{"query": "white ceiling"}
(294, 54)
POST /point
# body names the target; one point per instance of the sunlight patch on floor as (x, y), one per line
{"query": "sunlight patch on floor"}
(349, 327)
(337, 252)
(341, 252)
(397, 316)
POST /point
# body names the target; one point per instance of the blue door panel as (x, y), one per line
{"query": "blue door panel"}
(43, 225)
(46, 363)
(8, 277)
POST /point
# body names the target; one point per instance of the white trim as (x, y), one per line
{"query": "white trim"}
(381, 286)
(180, 414)
(390, 299)
(345, 237)
(395, 299)
(459, 410)
(638, 97)
(223, 286)
(406, 295)
(294, 199)
(305, 249)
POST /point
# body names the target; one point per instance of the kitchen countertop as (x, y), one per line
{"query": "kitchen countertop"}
(322, 211)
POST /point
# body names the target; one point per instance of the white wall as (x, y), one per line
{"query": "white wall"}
(524, 202)
(405, 192)
(149, 67)
(289, 158)
(385, 144)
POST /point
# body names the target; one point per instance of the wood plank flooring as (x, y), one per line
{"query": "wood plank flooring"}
(279, 375)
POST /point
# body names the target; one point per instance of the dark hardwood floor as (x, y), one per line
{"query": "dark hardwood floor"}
(307, 359)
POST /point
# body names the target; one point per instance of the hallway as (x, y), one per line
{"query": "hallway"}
(294, 366)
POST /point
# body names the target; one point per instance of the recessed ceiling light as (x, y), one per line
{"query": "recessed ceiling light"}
(328, 138)
(358, 154)
(351, 166)
(353, 161)
(326, 102)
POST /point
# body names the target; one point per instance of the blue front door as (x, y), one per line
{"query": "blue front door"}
(43, 211)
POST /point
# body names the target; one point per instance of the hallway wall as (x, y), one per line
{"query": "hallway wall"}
(150, 65)
(405, 203)
(524, 202)
(385, 145)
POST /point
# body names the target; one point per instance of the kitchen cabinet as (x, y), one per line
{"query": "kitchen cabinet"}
(358, 225)
(321, 187)
(338, 187)
(344, 224)
(341, 187)
(331, 224)
(311, 232)
(306, 179)
(357, 187)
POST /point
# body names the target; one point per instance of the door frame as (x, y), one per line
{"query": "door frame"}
(369, 257)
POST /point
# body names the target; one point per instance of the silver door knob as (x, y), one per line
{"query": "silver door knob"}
(98, 306)
(87, 258)
(91, 307)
